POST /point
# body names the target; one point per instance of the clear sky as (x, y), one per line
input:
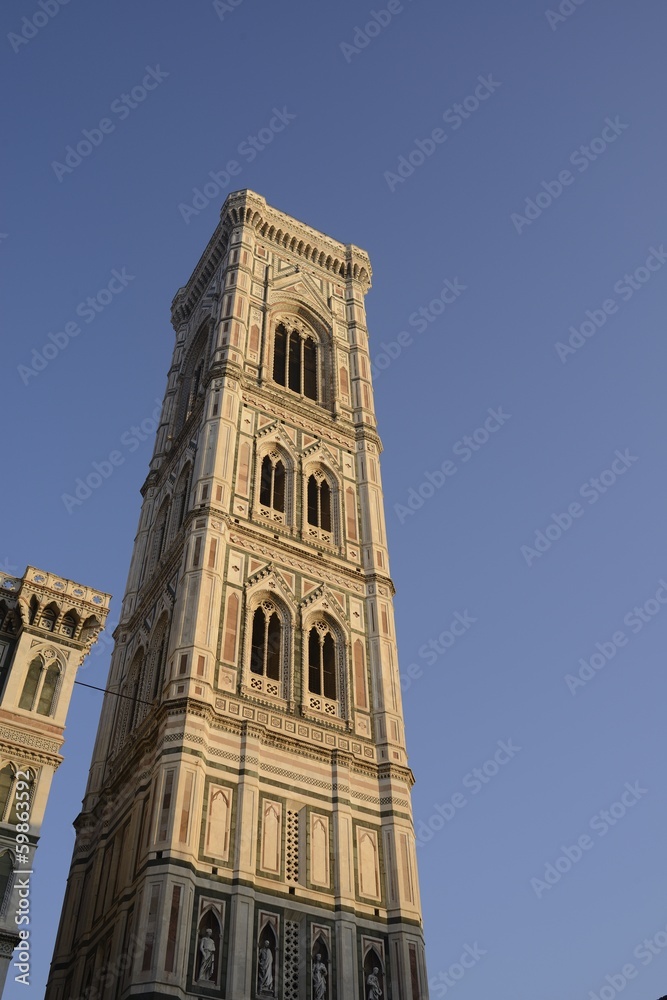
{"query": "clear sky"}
(541, 200)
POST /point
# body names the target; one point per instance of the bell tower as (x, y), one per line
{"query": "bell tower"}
(246, 830)
(47, 626)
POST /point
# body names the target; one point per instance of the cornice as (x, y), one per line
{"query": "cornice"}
(342, 261)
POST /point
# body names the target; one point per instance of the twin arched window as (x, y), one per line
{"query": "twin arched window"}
(266, 648)
(319, 502)
(272, 483)
(40, 687)
(295, 361)
(322, 661)
(267, 656)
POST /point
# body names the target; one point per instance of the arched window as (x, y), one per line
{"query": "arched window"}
(266, 652)
(48, 692)
(160, 533)
(8, 618)
(156, 660)
(181, 498)
(295, 361)
(48, 618)
(192, 378)
(130, 703)
(40, 687)
(34, 608)
(137, 709)
(6, 872)
(6, 785)
(319, 502)
(90, 630)
(322, 661)
(69, 623)
(272, 483)
(195, 386)
(31, 683)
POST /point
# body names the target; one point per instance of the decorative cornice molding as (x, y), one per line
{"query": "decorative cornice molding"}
(340, 261)
(17, 737)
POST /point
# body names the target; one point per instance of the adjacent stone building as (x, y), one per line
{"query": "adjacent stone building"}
(47, 625)
(247, 829)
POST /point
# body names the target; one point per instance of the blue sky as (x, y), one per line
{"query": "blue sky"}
(542, 202)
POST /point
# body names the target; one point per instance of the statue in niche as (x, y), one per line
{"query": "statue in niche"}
(207, 951)
(265, 969)
(319, 978)
(374, 990)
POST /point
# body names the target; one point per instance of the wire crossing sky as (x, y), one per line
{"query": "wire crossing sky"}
(503, 165)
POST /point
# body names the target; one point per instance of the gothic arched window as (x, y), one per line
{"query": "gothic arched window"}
(319, 502)
(48, 619)
(295, 361)
(181, 498)
(40, 687)
(157, 656)
(69, 623)
(272, 483)
(34, 608)
(160, 533)
(48, 693)
(191, 378)
(322, 661)
(6, 872)
(266, 650)
(6, 785)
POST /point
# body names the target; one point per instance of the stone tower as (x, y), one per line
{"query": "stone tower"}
(47, 625)
(246, 830)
